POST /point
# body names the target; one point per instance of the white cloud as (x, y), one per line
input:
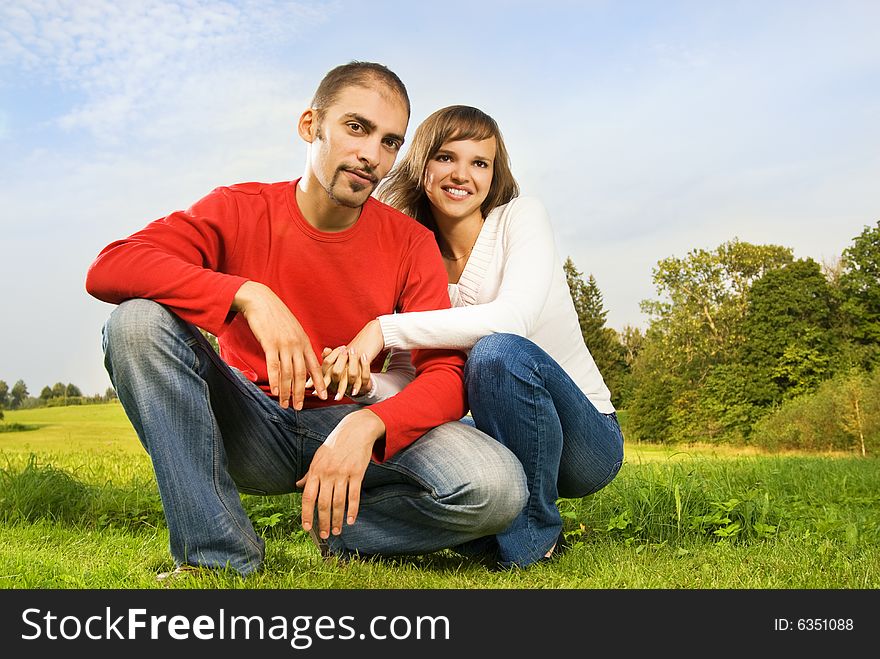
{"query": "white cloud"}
(134, 64)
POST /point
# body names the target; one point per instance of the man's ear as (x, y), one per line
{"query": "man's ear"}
(307, 127)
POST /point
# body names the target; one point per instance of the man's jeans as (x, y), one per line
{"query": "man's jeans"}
(211, 434)
(523, 398)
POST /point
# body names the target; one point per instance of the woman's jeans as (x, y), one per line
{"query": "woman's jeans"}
(520, 396)
(211, 434)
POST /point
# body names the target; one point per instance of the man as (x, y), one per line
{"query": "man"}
(277, 271)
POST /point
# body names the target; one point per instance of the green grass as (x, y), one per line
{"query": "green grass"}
(79, 509)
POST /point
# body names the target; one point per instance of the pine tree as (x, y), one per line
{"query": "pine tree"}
(601, 341)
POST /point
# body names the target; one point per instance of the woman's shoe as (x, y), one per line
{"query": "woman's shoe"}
(558, 550)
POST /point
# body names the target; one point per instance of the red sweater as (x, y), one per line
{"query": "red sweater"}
(195, 261)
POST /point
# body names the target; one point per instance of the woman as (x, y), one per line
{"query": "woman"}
(531, 382)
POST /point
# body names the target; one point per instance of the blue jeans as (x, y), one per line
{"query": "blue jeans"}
(211, 434)
(520, 396)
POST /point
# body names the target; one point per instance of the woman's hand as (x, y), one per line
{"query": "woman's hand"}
(345, 372)
(347, 368)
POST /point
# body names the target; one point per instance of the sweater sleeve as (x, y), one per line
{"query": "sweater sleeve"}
(400, 372)
(176, 261)
(528, 262)
(436, 394)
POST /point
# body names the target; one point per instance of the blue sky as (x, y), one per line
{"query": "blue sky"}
(647, 128)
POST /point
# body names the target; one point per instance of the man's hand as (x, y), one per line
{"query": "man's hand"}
(289, 355)
(348, 367)
(337, 471)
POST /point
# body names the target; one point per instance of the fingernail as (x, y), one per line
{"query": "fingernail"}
(351, 520)
(336, 531)
(306, 526)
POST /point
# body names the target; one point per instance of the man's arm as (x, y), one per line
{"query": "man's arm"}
(337, 471)
(436, 395)
(179, 260)
(289, 355)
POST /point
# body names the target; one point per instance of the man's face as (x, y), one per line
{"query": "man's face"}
(356, 142)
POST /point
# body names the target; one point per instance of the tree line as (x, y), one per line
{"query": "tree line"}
(18, 397)
(745, 343)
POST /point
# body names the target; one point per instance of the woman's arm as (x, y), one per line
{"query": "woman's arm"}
(399, 373)
(528, 264)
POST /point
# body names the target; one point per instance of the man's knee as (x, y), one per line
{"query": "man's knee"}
(502, 492)
(479, 474)
(134, 323)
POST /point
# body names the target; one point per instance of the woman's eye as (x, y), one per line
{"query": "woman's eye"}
(481, 163)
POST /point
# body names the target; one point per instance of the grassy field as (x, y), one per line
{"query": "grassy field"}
(79, 509)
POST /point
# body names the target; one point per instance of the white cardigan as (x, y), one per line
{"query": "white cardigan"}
(513, 282)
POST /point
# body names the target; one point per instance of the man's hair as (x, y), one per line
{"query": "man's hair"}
(356, 74)
(404, 188)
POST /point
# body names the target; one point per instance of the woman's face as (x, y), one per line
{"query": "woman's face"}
(458, 177)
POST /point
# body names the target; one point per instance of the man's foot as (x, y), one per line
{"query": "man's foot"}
(179, 572)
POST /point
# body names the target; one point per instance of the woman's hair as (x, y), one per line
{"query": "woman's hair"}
(404, 188)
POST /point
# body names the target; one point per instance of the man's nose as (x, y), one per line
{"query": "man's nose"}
(370, 152)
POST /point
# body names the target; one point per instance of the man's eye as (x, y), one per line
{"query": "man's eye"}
(392, 144)
(355, 127)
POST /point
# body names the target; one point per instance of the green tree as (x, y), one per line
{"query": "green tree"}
(4, 394)
(706, 296)
(860, 292)
(791, 340)
(651, 398)
(110, 394)
(72, 390)
(680, 392)
(59, 390)
(18, 395)
(46, 393)
(601, 341)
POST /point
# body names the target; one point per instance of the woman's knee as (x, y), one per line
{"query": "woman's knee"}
(496, 357)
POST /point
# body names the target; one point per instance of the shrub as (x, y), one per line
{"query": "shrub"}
(842, 414)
